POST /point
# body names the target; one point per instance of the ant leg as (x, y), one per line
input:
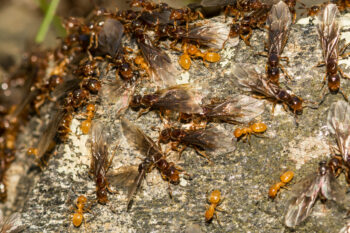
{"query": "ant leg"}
(285, 72)
(285, 59)
(170, 191)
(343, 94)
(264, 54)
(342, 73)
(319, 64)
(345, 55)
(324, 82)
(217, 219)
(181, 150)
(143, 111)
(202, 153)
(344, 49)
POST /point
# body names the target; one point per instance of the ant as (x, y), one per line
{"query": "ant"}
(255, 128)
(78, 216)
(285, 178)
(214, 200)
(193, 51)
(329, 32)
(86, 125)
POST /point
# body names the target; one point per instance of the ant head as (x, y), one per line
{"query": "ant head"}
(135, 102)
(81, 199)
(322, 168)
(215, 197)
(165, 135)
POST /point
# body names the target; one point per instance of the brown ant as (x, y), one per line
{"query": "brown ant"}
(279, 21)
(178, 98)
(154, 158)
(255, 128)
(100, 162)
(285, 178)
(329, 32)
(214, 200)
(322, 183)
(209, 139)
(251, 80)
(185, 14)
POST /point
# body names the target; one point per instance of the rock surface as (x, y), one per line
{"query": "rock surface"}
(243, 176)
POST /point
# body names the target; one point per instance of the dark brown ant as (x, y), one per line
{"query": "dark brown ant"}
(239, 109)
(178, 98)
(338, 122)
(154, 157)
(329, 32)
(209, 139)
(145, 5)
(100, 161)
(311, 11)
(322, 183)
(251, 80)
(184, 14)
(159, 67)
(279, 21)
(242, 29)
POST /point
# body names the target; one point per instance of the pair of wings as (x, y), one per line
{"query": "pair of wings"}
(306, 192)
(278, 21)
(329, 31)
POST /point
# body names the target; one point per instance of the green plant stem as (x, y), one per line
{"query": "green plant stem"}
(44, 27)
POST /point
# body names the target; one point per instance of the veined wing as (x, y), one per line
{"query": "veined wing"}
(338, 122)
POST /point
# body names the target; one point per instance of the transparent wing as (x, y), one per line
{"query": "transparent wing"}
(99, 149)
(250, 80)
(163, 72)
(110, 37)
(212, 35)
(141, 142)
(178, 98)
(304, 196)
(12, 224)
(217, 3)
(123, 177)
(66, 87)
(239, 109)
(117, 92)
(211, 139)
(329, 31)
(338, 122)
(346, 228)
(48, 135)
(279, 21)
(332, 190)
(157, 18)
